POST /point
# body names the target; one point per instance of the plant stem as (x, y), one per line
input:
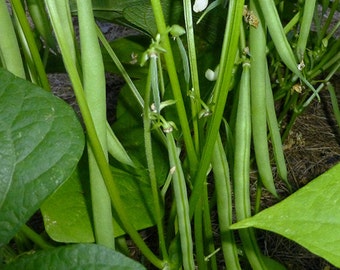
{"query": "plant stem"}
(170, 64)
(33, 50)
(229, 50)
(36, 238)
(120, 67)
(149, 157)
(196, 106)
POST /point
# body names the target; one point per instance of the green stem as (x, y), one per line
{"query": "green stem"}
(120, 67)
(36, 238)
(9, 48)
(229, 50)
(170, 64)
(330, 16)
(33, 49)
(149, 158)
(196, 106)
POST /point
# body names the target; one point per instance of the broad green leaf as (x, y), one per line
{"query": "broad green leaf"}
(141, 15)
(135, 13)
(67, 212)
(135, 192)
(41, 141)
(76, 257)
(309, 217)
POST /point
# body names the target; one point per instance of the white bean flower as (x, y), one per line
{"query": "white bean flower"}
(200, 5)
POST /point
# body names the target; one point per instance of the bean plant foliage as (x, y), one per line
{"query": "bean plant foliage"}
(212, 90)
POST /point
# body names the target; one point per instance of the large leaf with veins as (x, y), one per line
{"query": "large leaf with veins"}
(41, 141)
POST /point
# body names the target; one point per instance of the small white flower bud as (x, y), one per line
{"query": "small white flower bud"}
(200, 5)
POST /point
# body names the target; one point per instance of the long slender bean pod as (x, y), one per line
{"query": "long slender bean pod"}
(241, 169)
(182, 205)
(279, 38)
(198, 230)
(9, 48)
(95, 91)
(306, 22)
(208, 232)
(257, 45)
(275, 132)
(116, 149)
(224, 205)
(41, 21)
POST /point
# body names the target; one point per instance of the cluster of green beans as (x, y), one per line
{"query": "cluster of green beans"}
(255, 115)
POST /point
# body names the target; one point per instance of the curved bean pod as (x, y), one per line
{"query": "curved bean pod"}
(257, 44)
(279, 38)
(275, 133)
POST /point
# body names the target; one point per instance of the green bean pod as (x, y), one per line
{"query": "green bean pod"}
(242, 147)
(306, 22)
(275, 133)
(224, 202)
(182, 204)
(41, 21)
(10, 56)
(257, 44)
(279, 38)
(241, 170)
(94, 78)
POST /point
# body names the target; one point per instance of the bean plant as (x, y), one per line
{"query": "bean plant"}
(211, 91)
